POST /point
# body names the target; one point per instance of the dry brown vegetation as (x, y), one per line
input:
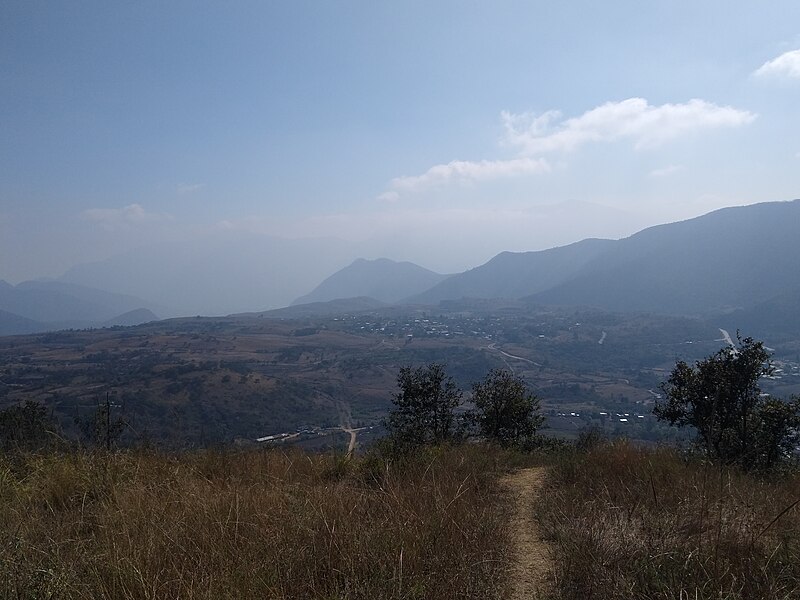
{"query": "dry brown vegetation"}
(622, 522)
(253, 524)
(627, 522)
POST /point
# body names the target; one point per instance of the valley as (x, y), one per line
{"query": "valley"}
(316, 380)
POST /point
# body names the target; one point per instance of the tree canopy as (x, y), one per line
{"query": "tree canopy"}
(505, 410)
(424, 406)
(721, 399)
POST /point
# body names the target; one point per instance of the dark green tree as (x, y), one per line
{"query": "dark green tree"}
(505, 410)
(25, 427)
(721, 399)
(778, 432)
(424, 407)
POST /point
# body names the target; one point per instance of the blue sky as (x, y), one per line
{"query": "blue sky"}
(439, 131)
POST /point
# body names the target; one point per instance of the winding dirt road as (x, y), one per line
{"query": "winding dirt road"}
(494, 348)
(532, 560)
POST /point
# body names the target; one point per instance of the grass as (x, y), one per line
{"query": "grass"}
(628, 522)
(253, 524)
(623, 522)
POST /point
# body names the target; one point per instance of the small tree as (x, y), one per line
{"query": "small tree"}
(424, 407)
(25, 427)
(720, 397)
(506, 411)
(778, 433)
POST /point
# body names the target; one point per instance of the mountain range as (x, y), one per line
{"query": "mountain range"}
(219, 274)
(33, 306)
(743, 262)
(728, 259)
(515, 274)
(733, 259)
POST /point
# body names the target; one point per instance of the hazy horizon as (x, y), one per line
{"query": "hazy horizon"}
(439, 133)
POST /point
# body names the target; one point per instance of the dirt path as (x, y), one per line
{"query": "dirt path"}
(531, 555)
(351, 446)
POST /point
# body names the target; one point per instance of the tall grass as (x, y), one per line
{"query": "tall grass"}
(627, 522)
(253, 524)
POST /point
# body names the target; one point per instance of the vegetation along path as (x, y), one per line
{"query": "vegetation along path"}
(531, 555)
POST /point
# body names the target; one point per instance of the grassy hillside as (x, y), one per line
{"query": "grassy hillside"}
(626, 522)
(618, 521)
(253, 525)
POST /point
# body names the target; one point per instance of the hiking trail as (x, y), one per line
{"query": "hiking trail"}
(531, 556)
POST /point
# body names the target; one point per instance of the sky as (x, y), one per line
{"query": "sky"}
(441, 132)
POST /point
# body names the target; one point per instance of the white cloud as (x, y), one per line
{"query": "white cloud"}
(133, 214)
(634, 119)
(535, 135)
(390, 196)
(665, 171)
(468, 171)
(786, 65)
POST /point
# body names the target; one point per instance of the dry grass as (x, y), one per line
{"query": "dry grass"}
(627, 522)
(623, 521)
(253, 524)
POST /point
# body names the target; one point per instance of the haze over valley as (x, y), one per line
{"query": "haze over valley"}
(594, 325)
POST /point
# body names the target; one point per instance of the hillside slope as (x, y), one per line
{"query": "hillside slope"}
(340, 306)
(11, 324)
(777, 318)
(727, 259)
(516, 274)
(65, 303)
(132, 317)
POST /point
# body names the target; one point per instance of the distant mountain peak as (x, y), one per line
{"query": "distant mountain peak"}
(383, 279)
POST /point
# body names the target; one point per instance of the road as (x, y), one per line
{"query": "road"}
(351, 446)
(346, 425)
(726, 337)
(493, 346)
